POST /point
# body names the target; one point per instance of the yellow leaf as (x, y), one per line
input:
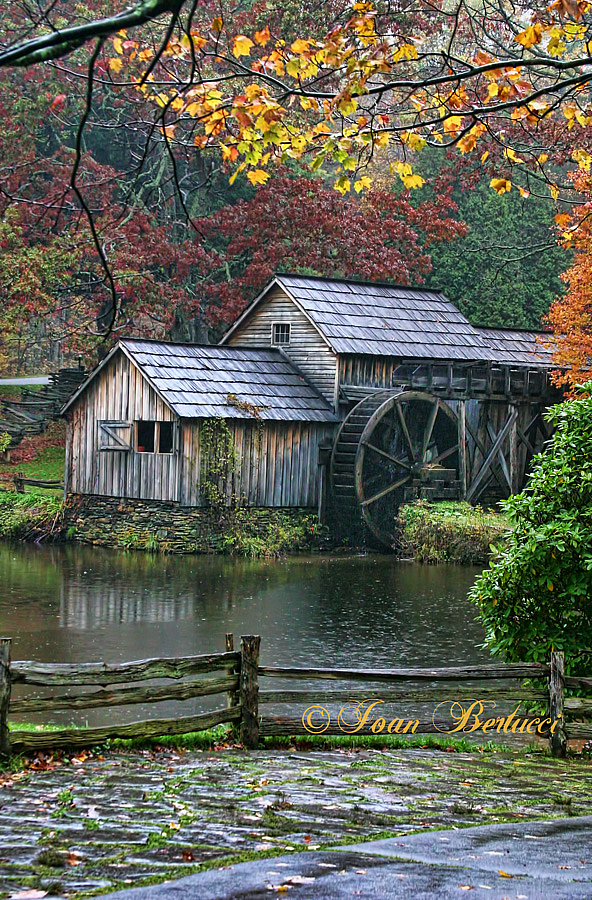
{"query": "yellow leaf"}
(407, 51)
(452, 124)
(543, 158)
(343, 185)
(300, 46)
(242, 45)
(413, 181)
(484, 156)
(504, 874)
(501, 185)
(414, 141)
(467, 143)
(562, 219)
(493, 89)
(262, 37)
(258, 176)
(347, 105)
(583, 158)
(118, 46)
(554, 191)
(523, 192)
(217, 25)
(511, 155)
(549, 585)
(361, 183)
(530, 36)
(115, 64)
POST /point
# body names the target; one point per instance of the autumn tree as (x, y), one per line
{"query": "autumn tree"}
(182, 80)
(298, 224)
(570, 316)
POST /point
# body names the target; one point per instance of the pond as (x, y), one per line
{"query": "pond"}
(75, 603)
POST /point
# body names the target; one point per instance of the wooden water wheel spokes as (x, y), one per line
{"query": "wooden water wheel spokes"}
(406, 439)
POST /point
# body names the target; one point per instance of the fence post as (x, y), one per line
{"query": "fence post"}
(558, 737)
(19, 483)
(249, 691)
(232, 697)
(5, 686)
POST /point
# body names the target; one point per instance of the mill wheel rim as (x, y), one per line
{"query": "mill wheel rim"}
(406, 468)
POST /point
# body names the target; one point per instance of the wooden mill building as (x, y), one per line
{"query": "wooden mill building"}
(351, 397)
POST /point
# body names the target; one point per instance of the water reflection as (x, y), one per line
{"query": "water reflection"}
(62, 604)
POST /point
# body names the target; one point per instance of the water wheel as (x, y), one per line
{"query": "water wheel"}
(393, 447)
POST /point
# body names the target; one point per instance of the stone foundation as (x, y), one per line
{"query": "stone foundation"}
(156, 525)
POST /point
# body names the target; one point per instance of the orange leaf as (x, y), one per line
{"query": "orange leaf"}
(262, 37)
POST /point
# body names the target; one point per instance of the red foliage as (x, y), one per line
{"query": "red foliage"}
(296, 224)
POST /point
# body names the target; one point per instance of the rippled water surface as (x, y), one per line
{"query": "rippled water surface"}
(63, 604)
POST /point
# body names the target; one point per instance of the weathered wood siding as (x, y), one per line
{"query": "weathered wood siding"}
(306, 349)
(277, 463)
(366, 371)
(118, 393)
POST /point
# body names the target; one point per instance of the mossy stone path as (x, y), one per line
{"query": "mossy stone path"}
(92, 825)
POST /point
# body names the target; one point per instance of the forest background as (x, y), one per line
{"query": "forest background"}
(163, 224)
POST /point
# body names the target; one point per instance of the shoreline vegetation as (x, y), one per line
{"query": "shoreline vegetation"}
(443, 532)
(431, 533)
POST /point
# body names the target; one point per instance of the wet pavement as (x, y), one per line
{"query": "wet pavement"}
(529, 861)
(91, 824)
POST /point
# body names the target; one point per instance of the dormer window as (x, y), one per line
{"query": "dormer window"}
(280, 333)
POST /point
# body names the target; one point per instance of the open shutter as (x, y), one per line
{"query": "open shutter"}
(115, 436)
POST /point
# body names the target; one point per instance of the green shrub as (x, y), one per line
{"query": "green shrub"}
(537, 594)
(448, 532)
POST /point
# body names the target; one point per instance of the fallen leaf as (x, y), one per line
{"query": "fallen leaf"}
(29, 895)
(466, 887)
(307, 838)
(504, 874)
(188, 855)
(299, 879)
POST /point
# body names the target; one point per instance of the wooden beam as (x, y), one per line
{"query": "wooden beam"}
(126, 696)
(472, 492)
(556, 690)
(105, 673)
(501, 457)
(486, 671)
(462, 447)
(5, 687)
(86, 737)
(249, 691)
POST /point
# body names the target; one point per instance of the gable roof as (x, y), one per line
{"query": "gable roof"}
(382, 319)
(510, 346)
(195, 381)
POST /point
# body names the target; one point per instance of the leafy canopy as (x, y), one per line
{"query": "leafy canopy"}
(536, 595)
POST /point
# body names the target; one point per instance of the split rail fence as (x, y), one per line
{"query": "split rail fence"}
(19, 482)
(238, 679)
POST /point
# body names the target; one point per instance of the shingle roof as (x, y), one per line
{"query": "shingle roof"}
(394, 320)
(386, 320)
(510, 347)
(195, 381)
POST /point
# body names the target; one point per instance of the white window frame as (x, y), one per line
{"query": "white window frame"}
(275, 325)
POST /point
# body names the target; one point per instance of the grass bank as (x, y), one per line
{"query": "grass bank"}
(34, 516)
(449, 532)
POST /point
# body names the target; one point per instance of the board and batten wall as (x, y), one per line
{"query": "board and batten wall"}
(276, 462)
(307, 349)
(119, 392)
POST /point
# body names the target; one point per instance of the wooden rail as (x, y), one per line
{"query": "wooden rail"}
(113, 681)
(238, 678)
(19, 481)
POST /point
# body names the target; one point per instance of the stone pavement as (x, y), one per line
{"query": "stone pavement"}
(94, 824)
(528, 861)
